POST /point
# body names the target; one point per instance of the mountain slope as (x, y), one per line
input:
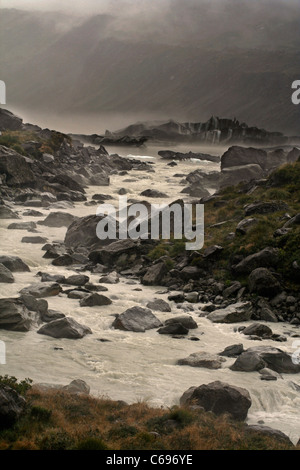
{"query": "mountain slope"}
(95, 65)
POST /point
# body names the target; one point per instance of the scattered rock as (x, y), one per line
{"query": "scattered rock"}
(77, 387)
(265, 430)
(95, 299)
(155, 274)
(233, 351)
(15, 316)
(185, 320)
(77, 280)
(6, 275)
(173, 329)
(234, 313)
(202, 359)
(58, 219)
(22, 226)
(64, 328)
(42, 290)
(136, 319)
(34, 240)
(159, 305)
(258, 329)
(220, 398)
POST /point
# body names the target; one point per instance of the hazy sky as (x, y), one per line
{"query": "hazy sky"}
(129, 6)
(84, 6)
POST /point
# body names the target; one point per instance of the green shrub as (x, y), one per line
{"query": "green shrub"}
(91, 444)
(19, 386)
(39, 413)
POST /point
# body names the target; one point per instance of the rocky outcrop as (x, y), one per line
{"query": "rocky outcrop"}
(136, 319)
(220, 398)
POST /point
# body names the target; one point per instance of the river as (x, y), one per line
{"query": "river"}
(135, 366)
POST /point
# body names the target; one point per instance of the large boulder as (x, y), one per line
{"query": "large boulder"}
(136, 319)
(7, 213)
(185, 320)
(259, 357)
(153, 193)
(16, 168)
(245, 225)
(14, 263)
(67, 182)
(262, 282)
(240, 156)
(258, 329)
(238, 312)
(220, 398)
(6, 275)
(236, 174)
(77, 280)
(65, 328)
(155, 274)
(82, 233)
(159, 305)
(233, 350)
(34, 240)
(173, 329)
(42, 290)
(22, 226)
(202, 359)
(248, 362)
(269, 432)
(266, 258)
(12, 406)
(115, 251)
(58, 219)
(77, 387)
(94, 299)
(15, 316)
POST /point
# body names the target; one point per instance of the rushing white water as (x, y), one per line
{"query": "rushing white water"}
(134, 366)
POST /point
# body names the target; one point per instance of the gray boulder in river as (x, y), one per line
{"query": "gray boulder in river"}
(65, 328)
(136, 319)
(220, 398)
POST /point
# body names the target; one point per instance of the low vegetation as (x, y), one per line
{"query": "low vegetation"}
(61, 421)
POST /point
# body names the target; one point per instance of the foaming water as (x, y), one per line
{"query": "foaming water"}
(134, 366)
